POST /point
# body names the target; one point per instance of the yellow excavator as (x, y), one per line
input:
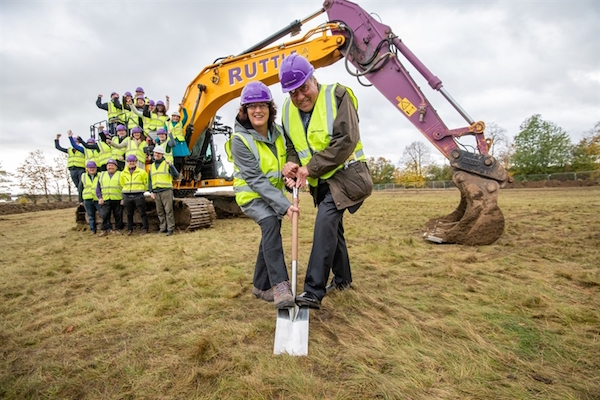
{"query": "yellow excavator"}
(371, 52)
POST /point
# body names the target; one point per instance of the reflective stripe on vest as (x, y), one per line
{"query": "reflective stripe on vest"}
(177, 131)
(154, 122)
(113, 112)
(315, 138)
(90, 155)
(132, 119)
(110, 186)
(89, 187)
(270, 165)
(118, 154)
(134, 182)
(104, 154)
(75, 159)
(161, 179)
(136, 149)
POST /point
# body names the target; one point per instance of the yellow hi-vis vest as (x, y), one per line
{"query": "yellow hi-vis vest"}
(132, 119)
(153, 123)
(104, 154)
(110, 186)
(161, 179)
(135, 149)
(168, 151)
(134, 182)
(177, 131)
(90, 155)
(75, 159)
(320, 129)
(113, 112)
(119, 154)
(89, 187)
(270, 164)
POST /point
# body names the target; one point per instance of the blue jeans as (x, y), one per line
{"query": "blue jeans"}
(91, 206)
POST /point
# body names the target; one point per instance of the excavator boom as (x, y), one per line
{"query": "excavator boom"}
(372, 50)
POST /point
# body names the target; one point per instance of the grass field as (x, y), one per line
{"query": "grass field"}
(150, 317)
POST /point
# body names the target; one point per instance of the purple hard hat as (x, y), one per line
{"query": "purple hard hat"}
(128, 94)
(294, 71)
(255, 92)
(131, 157)
(160, 103)
(151, 103)
(91, 164)
(111, 161)
(139, 89)
(113, 93)
(136, 129)
(121, 128)
(106, 132)
(161, 131)
(91, 140)
(140, 98)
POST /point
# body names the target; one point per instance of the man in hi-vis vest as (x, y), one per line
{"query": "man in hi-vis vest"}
(323, 147)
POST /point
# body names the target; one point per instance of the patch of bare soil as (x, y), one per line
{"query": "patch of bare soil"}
(16, 208)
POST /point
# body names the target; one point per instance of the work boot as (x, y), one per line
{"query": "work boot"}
(283, 297)
(266, 295)
(143, 232)
(334, 286)
(169, 233)
(308, 299)
(129, 233)
(102, 233)
(115, 232)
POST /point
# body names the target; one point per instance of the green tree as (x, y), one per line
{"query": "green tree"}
(4, 182)
(382, 170)
(439, 173)
(541, 147)
(586, 153)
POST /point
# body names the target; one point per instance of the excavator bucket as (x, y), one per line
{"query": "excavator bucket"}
(477, 220)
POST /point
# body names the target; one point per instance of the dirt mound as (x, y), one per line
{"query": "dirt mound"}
(16, 208)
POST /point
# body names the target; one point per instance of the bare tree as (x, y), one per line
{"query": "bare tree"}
(498, 137)
(4, 182)
(415, 158)
(61, 179)
(35, 176)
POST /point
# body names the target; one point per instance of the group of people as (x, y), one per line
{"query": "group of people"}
(319, 143)
(144, 119)
(109, 192)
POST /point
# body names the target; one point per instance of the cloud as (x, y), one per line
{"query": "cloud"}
(502, 61)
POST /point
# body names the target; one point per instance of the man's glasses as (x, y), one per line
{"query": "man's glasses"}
(302, 89)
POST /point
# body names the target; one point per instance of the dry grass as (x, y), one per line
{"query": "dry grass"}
(154, 317)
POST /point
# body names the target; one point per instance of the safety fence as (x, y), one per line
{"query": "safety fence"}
(560, 177)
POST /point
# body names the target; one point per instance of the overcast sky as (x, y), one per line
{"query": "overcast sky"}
(503, 61)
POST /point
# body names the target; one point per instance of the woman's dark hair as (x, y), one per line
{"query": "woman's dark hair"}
(243, 114)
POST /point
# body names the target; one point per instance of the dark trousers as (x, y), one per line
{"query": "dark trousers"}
(329, 250)
(270, 266)
(131, 202)
(76, 176)
(115, 208)
(91, 206)
(120, 165)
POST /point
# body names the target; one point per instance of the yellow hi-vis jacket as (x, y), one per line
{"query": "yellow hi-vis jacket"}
(177, 131)
(89, 187)
(75, 159)
(137, 150)
(161, 179)
(270, 164)
(104, 154)
(320, 128)
(119, 153)
(113, 112)
(90, 155)
(110, 186)
(134, 182)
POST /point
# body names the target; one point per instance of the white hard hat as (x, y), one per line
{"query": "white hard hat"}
(176, 113)
(159, 149)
